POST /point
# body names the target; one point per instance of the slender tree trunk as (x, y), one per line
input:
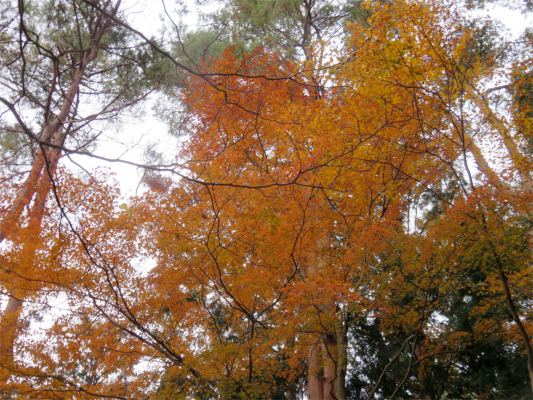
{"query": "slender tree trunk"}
(519, 161)
(516, 318)
(9, 322)
(23, 198)
(37, 187)
(523, 168)
(315, 366)
(8, 325)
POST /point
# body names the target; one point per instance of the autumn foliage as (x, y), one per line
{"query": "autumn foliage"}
(344, 227)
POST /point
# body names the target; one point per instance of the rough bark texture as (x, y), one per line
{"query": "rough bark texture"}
(329, 349)
(315, 374)
(342, 361)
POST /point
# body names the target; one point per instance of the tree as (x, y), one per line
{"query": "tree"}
(294, 28)
(411, 138)
(464, 65)
(309, 230)
(56, 56)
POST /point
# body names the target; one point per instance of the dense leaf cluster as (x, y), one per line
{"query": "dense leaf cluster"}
(347, 214)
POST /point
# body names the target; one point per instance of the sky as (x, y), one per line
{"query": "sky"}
(144, 130)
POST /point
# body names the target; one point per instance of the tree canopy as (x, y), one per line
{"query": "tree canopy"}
(347, 213)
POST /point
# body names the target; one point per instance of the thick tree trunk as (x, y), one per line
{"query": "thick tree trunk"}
(36, 187)
(315, 374)
(342, 361)
(327, 360)
(291, 392)
(329, 349)
(327, 368)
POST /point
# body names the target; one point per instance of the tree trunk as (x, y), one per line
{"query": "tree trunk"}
(516, 318)
(23, 198)
(37, 187)
(8, 325)
(342, 361)
(315, 374)
(329, 349)
(9, 322)
(522, 166)
(291, 392)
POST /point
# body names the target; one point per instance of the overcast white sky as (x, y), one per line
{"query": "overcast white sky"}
(149, 17)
